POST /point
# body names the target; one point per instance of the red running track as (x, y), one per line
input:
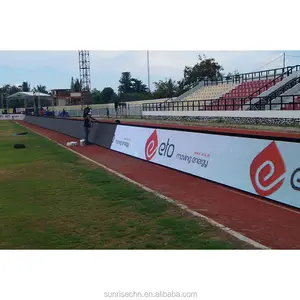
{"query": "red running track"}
(268, 223)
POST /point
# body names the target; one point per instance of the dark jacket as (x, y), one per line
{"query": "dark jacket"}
(87, 122)
(86, 118)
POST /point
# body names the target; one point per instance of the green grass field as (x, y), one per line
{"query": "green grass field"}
(52, 199)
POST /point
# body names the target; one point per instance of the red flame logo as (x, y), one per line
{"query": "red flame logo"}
(151, 145)
(267, 171)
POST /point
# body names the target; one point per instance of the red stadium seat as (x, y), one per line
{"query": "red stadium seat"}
(231, 100)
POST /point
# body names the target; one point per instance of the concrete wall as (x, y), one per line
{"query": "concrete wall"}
(110, 105)
(267, 117)
(101, 133)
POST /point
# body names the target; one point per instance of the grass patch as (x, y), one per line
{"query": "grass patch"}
(52, 199)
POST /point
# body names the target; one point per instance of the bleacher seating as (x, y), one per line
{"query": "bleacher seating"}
(289, 106)
(247, 88)
(243, 90)
(210, 92)
(228, 91)
(267, 89)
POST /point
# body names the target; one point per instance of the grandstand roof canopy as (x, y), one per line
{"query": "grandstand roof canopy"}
(26, 95)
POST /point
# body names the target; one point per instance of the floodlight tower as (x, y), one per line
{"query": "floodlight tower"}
(84, 71)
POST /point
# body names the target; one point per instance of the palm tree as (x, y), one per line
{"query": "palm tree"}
(171, 88)
(165, 89)
(41, 89)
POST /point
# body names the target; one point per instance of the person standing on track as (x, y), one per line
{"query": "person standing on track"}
(87, 120)
(116, 108)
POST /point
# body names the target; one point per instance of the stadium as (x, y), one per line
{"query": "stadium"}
(220, 160)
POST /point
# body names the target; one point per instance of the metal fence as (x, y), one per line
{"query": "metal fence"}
(131, 110)
(286, 102)
(252, 76)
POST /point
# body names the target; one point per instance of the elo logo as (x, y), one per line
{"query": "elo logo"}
(267, 171)
(164, 149)
(151, 145)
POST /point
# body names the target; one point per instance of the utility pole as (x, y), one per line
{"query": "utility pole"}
(283, 59)
(148, 70)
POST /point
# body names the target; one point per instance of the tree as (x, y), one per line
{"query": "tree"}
(13, 89)
(41, 89)
(138, 86)
(160, 89)
(107, 95)
(125, 83)
(72, 87)
(25, 87)
(96, 98)
(181, 87)
(165, 88)
(5, 89)
(207, 68)
(132, 89)
(77, 85)
(171, 88)
(10, 90)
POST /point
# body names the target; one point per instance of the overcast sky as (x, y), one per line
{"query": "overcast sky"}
(55, 68)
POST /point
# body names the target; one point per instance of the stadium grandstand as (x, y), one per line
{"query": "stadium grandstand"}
(276, 89)
(273, 89)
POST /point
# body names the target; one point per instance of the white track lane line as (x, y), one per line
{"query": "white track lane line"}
(228, 230)
(278, 205)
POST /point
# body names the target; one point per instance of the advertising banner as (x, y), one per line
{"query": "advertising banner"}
(262, 167)
(12, 117)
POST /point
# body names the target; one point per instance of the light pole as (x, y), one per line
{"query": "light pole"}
(148, 69)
